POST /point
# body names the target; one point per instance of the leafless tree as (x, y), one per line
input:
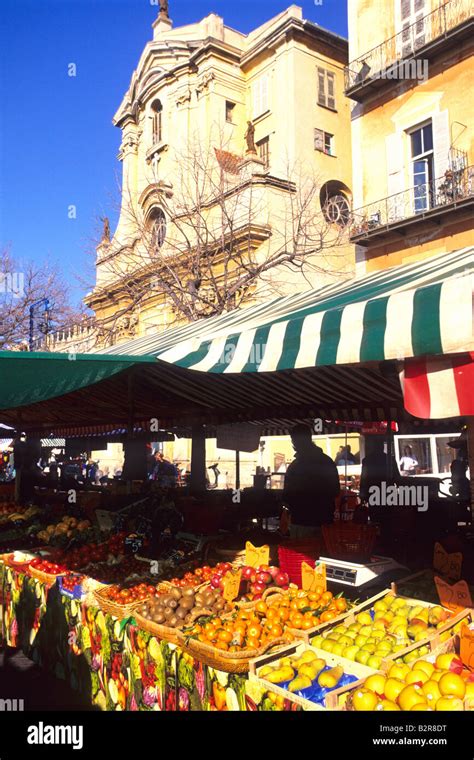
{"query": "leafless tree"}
(216, 238)
(22, 284)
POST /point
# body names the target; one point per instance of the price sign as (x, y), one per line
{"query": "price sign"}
(256, 555)
(134, 543)
(447, 564)
(455, 598)
(232, 585)
(313, 578)
(467, 647)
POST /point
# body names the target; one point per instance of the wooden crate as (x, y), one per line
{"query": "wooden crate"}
(340, 696)
(330, 702)
(350, 615)
(434, 644)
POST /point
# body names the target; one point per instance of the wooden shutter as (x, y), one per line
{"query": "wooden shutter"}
(256, 99)
(264, 100)
(331, 101)
(441, 143)
(319, 139)
(321, 87)
(395, 176)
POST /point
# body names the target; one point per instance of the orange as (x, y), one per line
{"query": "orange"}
(327, 616)
(254, 631)
(252, 643)
(341, 605)
(296, 620)
(272, 613)
(301, 604)
(284, 614)
(314, 596)
(224, 635)
(294, 604)
(452, 685)
(261, 606)
(326, 597)
(222, 645)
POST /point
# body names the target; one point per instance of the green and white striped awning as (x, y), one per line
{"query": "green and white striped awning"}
(418, 309)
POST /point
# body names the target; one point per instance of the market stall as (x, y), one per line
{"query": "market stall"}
(335, 355)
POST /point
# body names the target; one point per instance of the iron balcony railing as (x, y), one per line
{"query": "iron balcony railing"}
(455, 185)
(406, 44)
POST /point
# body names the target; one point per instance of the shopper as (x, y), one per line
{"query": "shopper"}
(374, 467)
(345, 456)
(408, 463)
(311, 486)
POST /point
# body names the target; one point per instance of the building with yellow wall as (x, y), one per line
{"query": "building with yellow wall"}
(410, 77)
(190, 101)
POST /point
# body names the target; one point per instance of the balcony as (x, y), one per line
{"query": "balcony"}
(425, 202)
(396, 57)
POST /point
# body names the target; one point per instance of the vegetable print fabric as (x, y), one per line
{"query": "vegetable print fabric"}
(114, 664)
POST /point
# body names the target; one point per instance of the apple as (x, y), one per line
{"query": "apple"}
(264, 578)
(257, 588)
(216, 581)
(282, 579)
(247, 573)
(274, 571)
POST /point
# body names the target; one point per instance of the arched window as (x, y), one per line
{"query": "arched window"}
(157, 221)
(335, 203)
(157, 121)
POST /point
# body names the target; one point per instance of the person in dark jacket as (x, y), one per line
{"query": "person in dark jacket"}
(311, 485)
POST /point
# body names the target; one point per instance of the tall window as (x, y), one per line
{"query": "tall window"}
(158, 230)
(412, 13)
(324, 141)
(157, 121)
(260, 98)
(326, 88)
(263, 147)
(422, 167)
(229, 111)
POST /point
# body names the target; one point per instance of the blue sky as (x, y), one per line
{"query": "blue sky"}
(58, 146)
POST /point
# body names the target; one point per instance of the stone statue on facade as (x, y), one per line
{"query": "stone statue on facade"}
(250, 138)
(106, 230)
(164, 9)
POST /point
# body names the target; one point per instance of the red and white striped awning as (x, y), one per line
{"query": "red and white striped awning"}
(439, 387)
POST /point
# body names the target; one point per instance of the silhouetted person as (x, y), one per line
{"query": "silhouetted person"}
(374, 467)
(311, 485)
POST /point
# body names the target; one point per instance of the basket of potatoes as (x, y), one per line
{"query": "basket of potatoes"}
(166, 614)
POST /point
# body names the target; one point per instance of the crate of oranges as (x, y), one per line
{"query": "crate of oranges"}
(303, 611)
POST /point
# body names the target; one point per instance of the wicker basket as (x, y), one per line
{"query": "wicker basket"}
(229, 662)
(47, 578)
(113, 608)
(349, 541)
(162, 631)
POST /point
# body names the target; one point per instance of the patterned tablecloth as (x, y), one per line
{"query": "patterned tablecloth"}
(113, 662)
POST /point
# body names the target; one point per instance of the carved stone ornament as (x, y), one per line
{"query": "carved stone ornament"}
(204, 82)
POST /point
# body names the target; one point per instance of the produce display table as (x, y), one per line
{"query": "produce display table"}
(115, 663)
